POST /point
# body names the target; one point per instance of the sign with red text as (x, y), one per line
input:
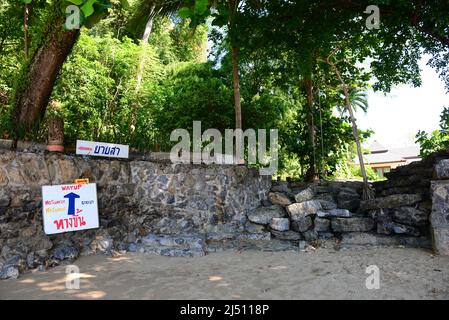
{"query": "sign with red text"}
(70, 207)
(102, 149)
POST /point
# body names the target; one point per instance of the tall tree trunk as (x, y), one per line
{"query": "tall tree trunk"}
(236, 84)
(35, 90)
(367, 192)
(25, 31)
(145, 38)
(311, 174)
(141, 68)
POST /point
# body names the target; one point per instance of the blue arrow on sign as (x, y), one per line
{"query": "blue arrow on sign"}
(71, 196)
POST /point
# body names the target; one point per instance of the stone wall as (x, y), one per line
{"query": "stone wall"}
(399, 214)
(334, 210)
(144, 206)
(440, 208)
(190, 210)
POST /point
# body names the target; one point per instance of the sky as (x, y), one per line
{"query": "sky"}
(399, 115)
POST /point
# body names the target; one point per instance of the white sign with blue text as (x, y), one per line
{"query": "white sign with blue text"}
(70, 207)
(102, 149)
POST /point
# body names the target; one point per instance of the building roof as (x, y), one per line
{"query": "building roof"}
(376, 147)
(380, 154)
(407, 152)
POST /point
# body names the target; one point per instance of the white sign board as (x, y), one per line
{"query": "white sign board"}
(70, 207)
(102, 149)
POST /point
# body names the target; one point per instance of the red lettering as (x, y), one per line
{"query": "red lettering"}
(59, 224)
(71, 187)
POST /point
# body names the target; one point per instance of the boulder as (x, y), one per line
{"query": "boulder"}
(254, 227)
(9, 272)
(65, 252)
(410, 216)
(286, 235)
(4, 198)
(305, 195)
(220, 236)
(255, 236)
(310, 235)
(340, 213)
(263, 215)
(440, 239)
(321, 189)
(300, 210)
(389, 202)
(302, 224)
(352, 205)
(352, 224)
(325, 196)
(101, 244)
(178, 252)
(442, 169)
(322, 225)
(404, 229)
(347, 194)
(323, 214)
(389, 227)
(348, 199)
(278, 198)
(372, 239)
(266, 203)
(188, 241)
(280, 224)
(282, 187)
(440, 217)
(327, 205)
(325, 235)
(177, 245)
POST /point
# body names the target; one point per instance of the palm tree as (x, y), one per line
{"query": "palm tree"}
(144, 13)
(354, 98)
(233, 6)
(359, 100)
(142, 22)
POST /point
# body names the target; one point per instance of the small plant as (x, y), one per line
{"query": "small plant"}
(436, 141)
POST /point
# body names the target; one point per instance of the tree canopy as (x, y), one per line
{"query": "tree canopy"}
(136, 70)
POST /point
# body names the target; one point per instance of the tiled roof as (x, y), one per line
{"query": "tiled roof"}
(392, 155)
(376, 147)
(383, 157)
(408, 152)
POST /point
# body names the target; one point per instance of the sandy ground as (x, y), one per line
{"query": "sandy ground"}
(323, 274)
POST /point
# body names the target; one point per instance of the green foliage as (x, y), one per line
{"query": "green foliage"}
(195, 10)
(437, 140)
(281, 44)
(92, 11)
(96, 87)
(356, 173)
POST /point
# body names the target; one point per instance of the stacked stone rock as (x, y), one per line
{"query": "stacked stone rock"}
(325, 210)
(403, 202)
(298, 211)
(440, 208)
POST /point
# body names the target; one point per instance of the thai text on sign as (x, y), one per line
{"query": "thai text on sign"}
(102, 149)
(71, 207)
